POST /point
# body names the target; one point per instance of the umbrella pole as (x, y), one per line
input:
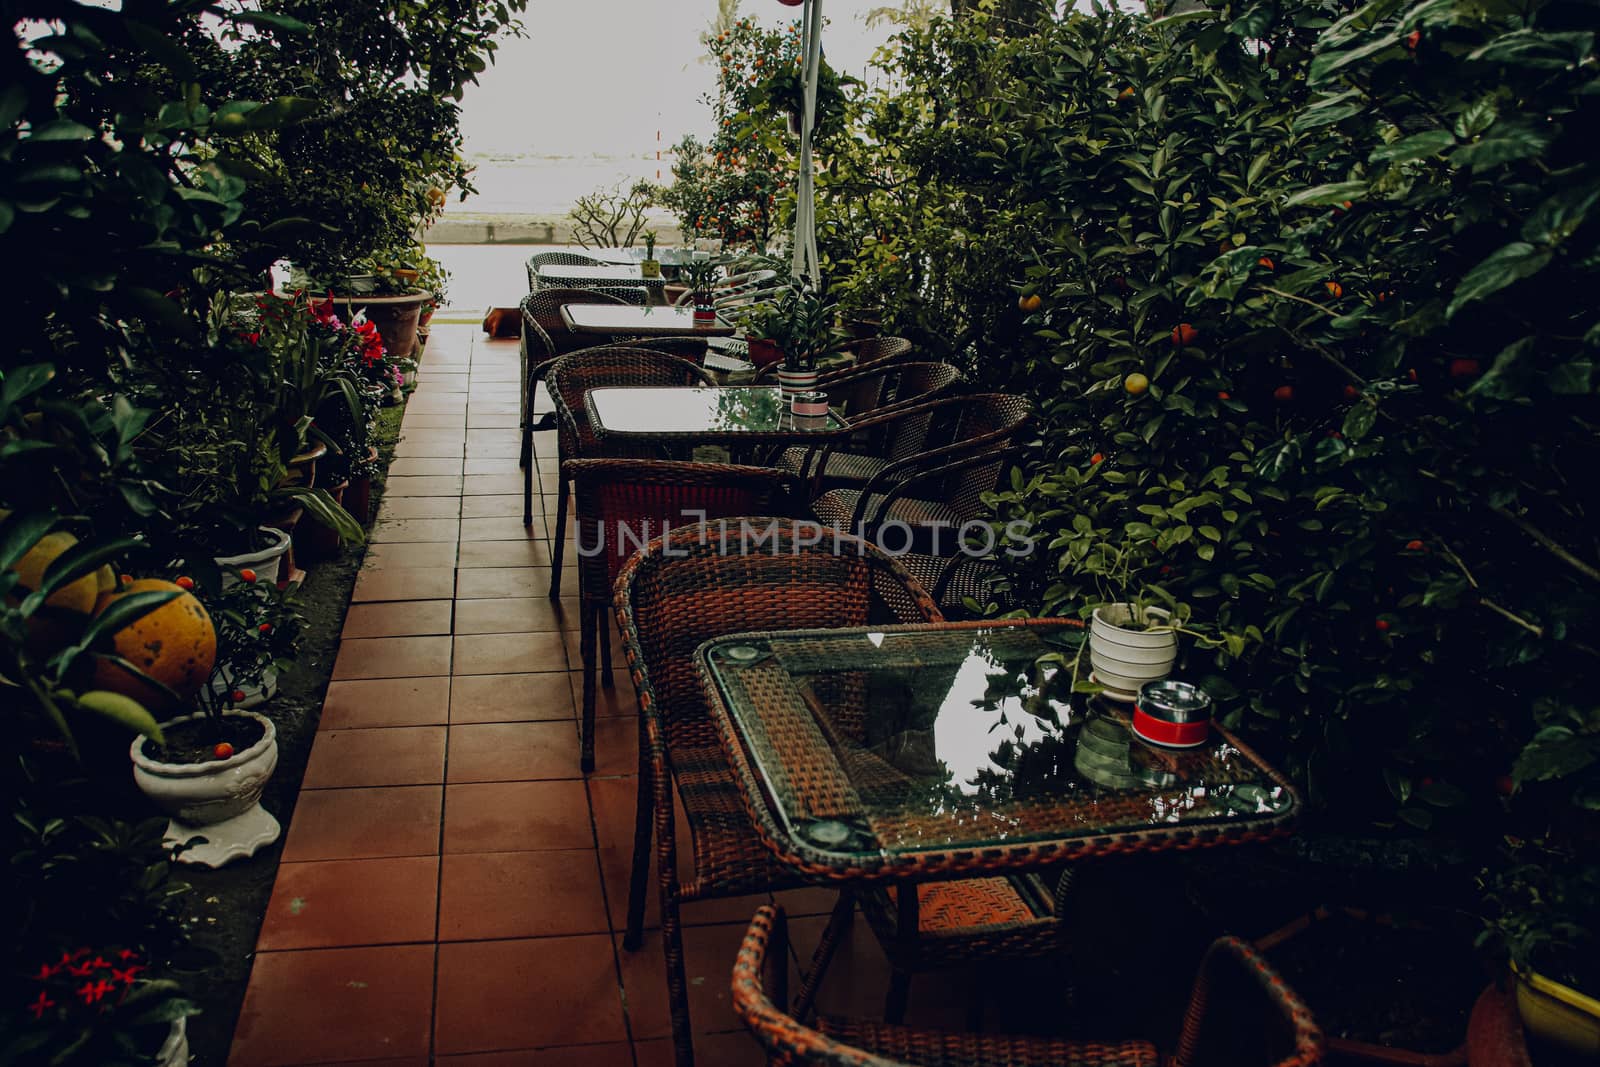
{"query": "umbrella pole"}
(805, 263)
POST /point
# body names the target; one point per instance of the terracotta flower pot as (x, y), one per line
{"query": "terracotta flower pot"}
(396, 317)
(764, 352)
(1494, 1033)
(358, 494)
(314, 542)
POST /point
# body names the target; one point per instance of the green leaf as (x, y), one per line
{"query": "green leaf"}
(82, 558)
(1507, 143)
(1358, 421)
(61, 130)
(1279, 459)
(122, 710)
(21, 531)
(22, 382)
(1512, 263)
(1336, 193)
(324, 509)
(1417, 146)
(270, 20)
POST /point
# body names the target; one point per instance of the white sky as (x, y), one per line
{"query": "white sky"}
(602, 76)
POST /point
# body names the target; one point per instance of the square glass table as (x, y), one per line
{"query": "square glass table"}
(731, 413)
(634, 321)
(586, 276)
(949, 750)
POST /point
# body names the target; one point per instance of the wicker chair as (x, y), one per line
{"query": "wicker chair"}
(938, 487)
(544, 307)
(690, 348)
(1275, 1030)
(870, 395)
(679, 592)
(535, 354)
(555, 259)
(622, 503)
(569, 379)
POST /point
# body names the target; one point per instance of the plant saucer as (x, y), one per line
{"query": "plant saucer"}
(1121, 696)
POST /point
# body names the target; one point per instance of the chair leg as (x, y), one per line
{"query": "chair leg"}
(677, 984)
(527, 474)
(588, 616)
(558, 541)
(894, 1005)
(603, 625)
(844, 910)
(639, 875)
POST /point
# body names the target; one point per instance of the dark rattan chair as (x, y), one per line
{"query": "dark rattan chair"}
(622, 504)
(871, 395)
(535, 354)
(569, 379)
(1266, 1024)
(544, 307)
(869, 353)
(937, 487)
(555, 259)
(700, 582)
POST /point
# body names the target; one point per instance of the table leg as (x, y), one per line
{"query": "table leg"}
(843, 912)
(907, 926)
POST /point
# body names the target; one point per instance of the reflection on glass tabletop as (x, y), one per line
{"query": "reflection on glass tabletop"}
(733, 409)
(881, 743)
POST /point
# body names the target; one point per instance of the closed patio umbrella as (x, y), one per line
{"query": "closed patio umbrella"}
(805, 265)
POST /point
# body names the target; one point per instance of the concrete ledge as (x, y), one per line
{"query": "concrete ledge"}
(526, 230)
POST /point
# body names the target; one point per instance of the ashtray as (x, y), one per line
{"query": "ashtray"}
(1172, 714)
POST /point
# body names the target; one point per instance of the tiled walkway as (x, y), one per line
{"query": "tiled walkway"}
(452, 889)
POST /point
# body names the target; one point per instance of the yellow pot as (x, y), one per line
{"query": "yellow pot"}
(1557, 1013)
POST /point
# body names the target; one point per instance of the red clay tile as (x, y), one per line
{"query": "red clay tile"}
(621, 700)
(616, 746)
(487, 895)
(413, 466)
(393, 657)
(506, 653)
(513, 751)
(423, 420)
(523, 553)
(405, 583)
(351, 902)
(486, 582)
(398, 530)
(708, 955)
(345, 824)
(335, 1004)
(535, 614)
(613, 1054)
(516, 817)
(501, 527)
(376, 702)
(427, 555)
(419, 507)
(727, 1048)
(408, 755)
(489, 507)
(432, 444)
(526, 994)
(398, 618)
(509, 698)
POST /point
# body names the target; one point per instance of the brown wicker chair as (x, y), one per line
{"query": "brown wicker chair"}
(555, 259)
(544, 306)
(622, 503)
(869, 396)
(935, 488)
(679, 592)
(569, 379)
(1275, 1030)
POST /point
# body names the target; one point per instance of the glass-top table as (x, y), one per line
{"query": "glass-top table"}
(635, 321)
(953, 749)
(731, 413)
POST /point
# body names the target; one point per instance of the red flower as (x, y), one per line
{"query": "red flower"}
(80, 970)
(128, 954)
(46, 972)
(41, 1005)
(92, 993)
(100, 963)
(126, 977)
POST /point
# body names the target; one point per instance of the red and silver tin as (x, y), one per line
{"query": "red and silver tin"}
(811, 403)
(1172, 714)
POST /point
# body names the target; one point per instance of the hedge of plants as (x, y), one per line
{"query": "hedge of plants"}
(1305, 294)
(157, 405)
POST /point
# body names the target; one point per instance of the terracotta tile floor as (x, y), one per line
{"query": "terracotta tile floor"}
(453, 890)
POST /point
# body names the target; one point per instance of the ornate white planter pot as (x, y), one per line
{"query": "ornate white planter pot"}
(266, 563)
(175, 1050)
(219, 800)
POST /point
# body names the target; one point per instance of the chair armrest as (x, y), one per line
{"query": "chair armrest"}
(903, 486)
(1229, 955)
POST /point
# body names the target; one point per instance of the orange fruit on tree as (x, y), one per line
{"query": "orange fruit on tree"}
(1283, 394)
(1029, 303)
(1183, 335)
(1267, 263)
(1335, 290)
(1135, 383)
(176, 644)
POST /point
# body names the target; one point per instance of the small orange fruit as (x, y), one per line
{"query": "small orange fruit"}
(1267, 263)
(1126, 93)
(1413, 39)
(1414, 546)
(1283, 394)
(1029, 302)
(1465, 368)
(1351, 392)
(1382, 625)
(1098, 457)
(1335, 290)
(223, 751)
(184, 582)
(1184, 335)
(247, 575)
(1135, 383)
(1224, 395)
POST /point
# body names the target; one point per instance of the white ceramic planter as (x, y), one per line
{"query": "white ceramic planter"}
(1124, 655)
(219, 800)
(267, 563)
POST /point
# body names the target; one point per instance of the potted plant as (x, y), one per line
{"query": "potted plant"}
(209, 772)
(700, 275)
(799, 326)
(1543, 925)
(1130, 644)
(98, 1007)
(650, 266)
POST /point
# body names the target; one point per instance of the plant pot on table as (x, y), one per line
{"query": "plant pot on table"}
(218, 799)
(1125, 652)
(791, 382)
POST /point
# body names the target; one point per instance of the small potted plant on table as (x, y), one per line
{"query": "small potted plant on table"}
(650, 266)
(700, 275)
(796, 328)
